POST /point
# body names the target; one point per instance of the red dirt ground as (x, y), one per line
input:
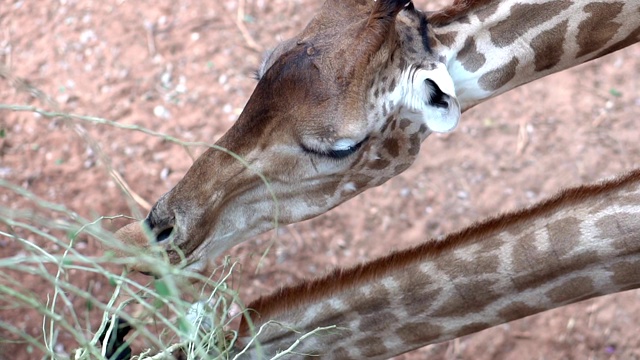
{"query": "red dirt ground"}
(184, 68)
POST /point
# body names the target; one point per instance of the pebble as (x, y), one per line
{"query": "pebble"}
(164, 174)
(161, 112)
(165, 79)
(87, 36)
(5, 172)
(59, 349)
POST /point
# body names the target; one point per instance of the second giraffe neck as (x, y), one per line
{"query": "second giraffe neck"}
(493, 46)
(580, 244)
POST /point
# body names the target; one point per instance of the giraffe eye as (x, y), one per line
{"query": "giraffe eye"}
(343, 153)
(340, 150)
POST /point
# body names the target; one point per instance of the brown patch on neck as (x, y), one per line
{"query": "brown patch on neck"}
(495, 79)
(625, 274)
(598, 29)
(523, 17)
(517, 310)
(340, 280)
(485, 12)
(414, 332)
(456, 11)
(633, 38)
(579, 288)
(470, 57)
(448, 39)
(549, 46)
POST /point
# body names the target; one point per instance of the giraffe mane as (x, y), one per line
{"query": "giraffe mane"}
(456, 10)
(339, 279)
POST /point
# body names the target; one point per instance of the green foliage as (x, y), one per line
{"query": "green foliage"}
(71, 310)
(615, 92)
(162, 288)
(161, 317)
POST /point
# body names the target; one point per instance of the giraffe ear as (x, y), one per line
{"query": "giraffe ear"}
(433, 99)
(378, 29)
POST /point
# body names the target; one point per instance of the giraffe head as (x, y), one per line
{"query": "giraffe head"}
(338, 109)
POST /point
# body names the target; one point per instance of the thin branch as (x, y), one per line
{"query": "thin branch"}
(240, 17)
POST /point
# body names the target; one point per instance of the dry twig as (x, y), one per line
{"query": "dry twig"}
(240, 16)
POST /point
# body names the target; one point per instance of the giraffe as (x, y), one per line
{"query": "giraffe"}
(582, 243)
(345, 105)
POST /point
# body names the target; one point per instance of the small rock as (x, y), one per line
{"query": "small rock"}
(4, 172)
(164, 174)
(62, 98)
(59, 349)
(89, 163)
(161, 112)
(87, 36)
(182, 85)
(166, 80)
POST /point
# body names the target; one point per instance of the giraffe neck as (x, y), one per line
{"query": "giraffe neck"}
(583, 243)
(491, 47)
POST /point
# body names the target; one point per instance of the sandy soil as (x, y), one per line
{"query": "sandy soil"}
(184, 68)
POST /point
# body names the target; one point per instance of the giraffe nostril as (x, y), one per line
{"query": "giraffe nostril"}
(164, 234)
(149, 273)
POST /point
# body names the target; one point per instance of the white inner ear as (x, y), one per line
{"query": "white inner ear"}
(441, 119)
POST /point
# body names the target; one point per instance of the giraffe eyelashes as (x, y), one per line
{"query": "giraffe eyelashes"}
(343, 153)
(341, 149)
(256, 74)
